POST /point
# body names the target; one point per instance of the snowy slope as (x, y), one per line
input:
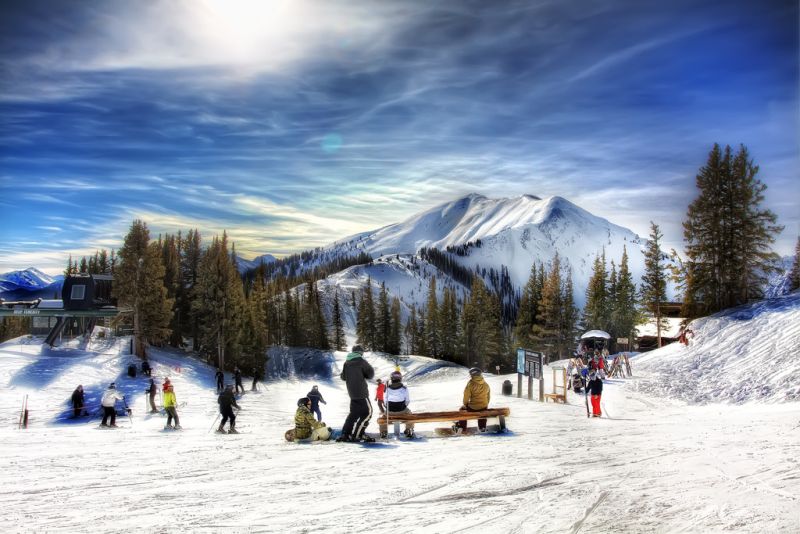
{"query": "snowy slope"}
(556, 471)
(248, 265)
(748, 353)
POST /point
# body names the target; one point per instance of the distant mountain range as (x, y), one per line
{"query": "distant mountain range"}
(29, 284)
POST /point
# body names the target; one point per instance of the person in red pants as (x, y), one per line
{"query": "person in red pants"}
(595, 387)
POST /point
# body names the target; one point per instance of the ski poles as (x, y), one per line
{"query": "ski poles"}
(214, 423)
(23, 414)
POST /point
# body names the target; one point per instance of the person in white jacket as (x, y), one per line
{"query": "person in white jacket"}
(397, 401)
(110, 398)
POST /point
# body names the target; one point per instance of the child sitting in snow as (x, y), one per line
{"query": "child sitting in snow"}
(306, 426)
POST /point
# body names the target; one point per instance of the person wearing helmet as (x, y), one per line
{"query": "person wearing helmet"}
(305, 426)
(595, 389)
(355, 372)
(171, 407)
(379, 394)
(316, 398)
(476, 398)
(397, 401)
(227, 402)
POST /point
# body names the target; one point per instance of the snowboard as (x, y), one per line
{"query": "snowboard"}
(289, 436)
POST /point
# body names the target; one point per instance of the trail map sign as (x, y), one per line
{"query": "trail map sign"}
(530, 363)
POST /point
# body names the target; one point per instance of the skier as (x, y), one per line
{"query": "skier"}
(151, 391)
(316, 398)
(256, 378)
(220, 376)
(110, 398)
(476, 398)
(397, 401)
(237, 375)
(595, 388)
(171, 407)
(355, 372)
(227, 402)
(305, 426)
(77, 401)
(146, 370)
(379, 394)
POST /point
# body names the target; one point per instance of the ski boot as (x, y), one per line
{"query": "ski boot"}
(233, 430)
(344, 438)
(221, 430)
(366, 439)
(177, 427)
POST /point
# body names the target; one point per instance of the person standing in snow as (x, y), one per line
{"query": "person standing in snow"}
(109, 400)
(595, 389)
(77, 401)
(237, 376)
(397, 401)
(256, 379)
(171, 407)
(146, 369)
(166, 384)
(316, 397)
(151, 392)
(379, 393)
(227, 402)
(220, 376)
(476, 397)
(305, 426)
(355, 372)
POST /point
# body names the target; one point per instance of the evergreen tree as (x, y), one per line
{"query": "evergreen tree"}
(190, 268)
(170, 255)
(338, 325)
(623, 311)
(383, 326)
(366, 332)
(654, 280)
(528, 311)
(569, 316)
(448, 321)
(412, 345)
(69, 270)
(481, 327)
(393, 346)
(103, 267)
(139, 284)
(596, 311)
(551, 311)
(794, 277)
(728, 236)
(84, 268)
(432, 321)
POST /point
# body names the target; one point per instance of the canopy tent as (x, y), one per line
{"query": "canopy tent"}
(591, 334)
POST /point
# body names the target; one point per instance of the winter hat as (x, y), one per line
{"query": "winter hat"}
(379, 381)
(358, 348)
(475, 371)
(112, 385)
(315, 387)
(303, 401)
(396, 376)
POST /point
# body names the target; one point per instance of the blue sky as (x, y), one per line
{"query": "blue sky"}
(291, 124)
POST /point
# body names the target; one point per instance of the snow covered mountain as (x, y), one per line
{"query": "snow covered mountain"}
(28, 283)
(508, 232)
(248, 265)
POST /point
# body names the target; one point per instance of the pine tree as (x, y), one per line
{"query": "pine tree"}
(68, 270)
(190, 267)
(551, 311)
(481, 328)
(794, 277)
(596, 311)
(170, 255)
(366, 332)
(654, 280)
(383, 319)
(139, 283)
(728, 236)
(449, 327)
(412, 345)
(432, 321)
(569, 316)
(338, 326)
(528, 311)
(394, 333)
(623, 311)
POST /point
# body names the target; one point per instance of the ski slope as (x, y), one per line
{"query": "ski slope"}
(657, 465)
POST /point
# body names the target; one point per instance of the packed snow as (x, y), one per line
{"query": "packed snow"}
(651, 464)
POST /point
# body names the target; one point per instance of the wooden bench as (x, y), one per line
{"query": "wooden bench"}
(444, 417)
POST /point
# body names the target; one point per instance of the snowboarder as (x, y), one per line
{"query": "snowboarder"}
(237, 375)
(305, 426)
(355, 372)
(227, 402)
(316, 398)
(379, 394)
(146, 370)
(151, 392)
(476, 398)
(595, 388)
(220, 376)
(171, 407)
(110, 398)
(397, 401)
(77, 401)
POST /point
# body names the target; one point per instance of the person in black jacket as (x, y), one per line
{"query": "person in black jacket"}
(77, 401)
(595, 388)
(237, 376)
(227, 402)
(316, 397)
(220, 376)
(151, 392)
(355, 372)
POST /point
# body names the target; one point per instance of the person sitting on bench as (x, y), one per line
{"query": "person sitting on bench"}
(397, 401)
(476, 398)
